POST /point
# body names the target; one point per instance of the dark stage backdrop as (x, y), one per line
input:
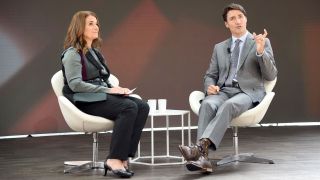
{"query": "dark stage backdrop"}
(163, 47)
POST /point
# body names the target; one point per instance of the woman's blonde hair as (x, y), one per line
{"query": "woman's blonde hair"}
(74, 37)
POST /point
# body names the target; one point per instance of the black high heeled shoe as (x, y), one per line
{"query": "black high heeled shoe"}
(119, 172)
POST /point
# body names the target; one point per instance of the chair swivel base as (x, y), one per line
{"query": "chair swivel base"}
(244, 157)
(74, 166)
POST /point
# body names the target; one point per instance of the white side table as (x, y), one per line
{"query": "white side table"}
(166, 113)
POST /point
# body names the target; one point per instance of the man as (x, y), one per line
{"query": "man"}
(233, 84)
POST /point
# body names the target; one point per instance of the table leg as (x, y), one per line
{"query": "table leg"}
(139, 152)
(167, 133)
(189, 130)
(182, 132)
(152, 141)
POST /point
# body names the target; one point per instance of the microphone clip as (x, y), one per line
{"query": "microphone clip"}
(229, 50)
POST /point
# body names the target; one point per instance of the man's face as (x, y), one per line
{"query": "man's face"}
(236, 22)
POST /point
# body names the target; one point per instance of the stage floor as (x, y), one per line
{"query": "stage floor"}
(295, 151)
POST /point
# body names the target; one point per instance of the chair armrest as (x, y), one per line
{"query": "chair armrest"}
(114, 81)
(80, 121)
(254, 116)
(194, 101)
(136, 96)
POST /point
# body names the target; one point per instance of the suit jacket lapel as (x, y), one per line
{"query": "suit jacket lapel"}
(102, 60)
(92, 60)
(247, 46)
(228, 53)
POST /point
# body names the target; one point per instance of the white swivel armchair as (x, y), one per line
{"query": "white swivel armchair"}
(248, 118)
(81, 122)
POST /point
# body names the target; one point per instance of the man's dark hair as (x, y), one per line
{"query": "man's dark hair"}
(230, 7)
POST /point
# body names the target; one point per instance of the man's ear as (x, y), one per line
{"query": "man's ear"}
(226, 24)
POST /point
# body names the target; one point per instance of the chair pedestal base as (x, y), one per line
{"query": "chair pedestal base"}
(244, 157)
(72, 166)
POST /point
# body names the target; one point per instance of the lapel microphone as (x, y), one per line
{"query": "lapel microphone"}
(229, 50)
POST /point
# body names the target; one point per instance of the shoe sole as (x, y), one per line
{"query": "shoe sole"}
(195, 167)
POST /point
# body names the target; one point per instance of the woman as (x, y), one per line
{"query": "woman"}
(87, 86)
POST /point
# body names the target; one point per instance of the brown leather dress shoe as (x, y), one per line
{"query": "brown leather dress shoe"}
(190, 153)
(203, 164)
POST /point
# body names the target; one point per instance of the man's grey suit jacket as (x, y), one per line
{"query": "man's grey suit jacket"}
(252, 69)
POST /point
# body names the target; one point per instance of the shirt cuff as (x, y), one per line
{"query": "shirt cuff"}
(260, 55)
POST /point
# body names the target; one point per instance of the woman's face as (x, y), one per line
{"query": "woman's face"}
(91, 30)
